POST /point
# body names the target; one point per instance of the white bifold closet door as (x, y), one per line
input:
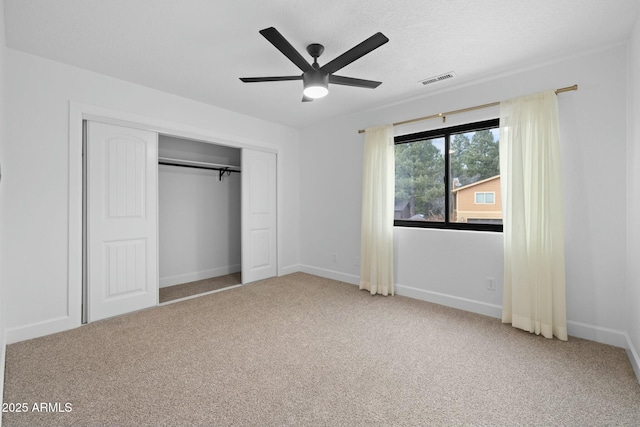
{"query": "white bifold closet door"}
(259, 246)
(121, 223)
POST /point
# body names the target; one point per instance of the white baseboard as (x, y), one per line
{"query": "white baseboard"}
(330, 274)
(40, 329)
(576, 329)
(460, 303)
(434, 297)
(198, 275)
(634, 357)
(597, 334)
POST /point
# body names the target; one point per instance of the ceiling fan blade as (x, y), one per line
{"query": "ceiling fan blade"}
(285, 47)
(373, 42)
(350, 81)
(305, 98)
(269, 79)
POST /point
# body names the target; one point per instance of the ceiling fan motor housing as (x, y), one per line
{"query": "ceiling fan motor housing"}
(315, 78)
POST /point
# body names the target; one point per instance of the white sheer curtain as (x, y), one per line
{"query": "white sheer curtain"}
(378, 193)
(534, 275)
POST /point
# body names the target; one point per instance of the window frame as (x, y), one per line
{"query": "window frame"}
(446, 134)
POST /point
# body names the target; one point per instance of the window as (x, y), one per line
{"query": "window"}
(449, 178)
(485, 198)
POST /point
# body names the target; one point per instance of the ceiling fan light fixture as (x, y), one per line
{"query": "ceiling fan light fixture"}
(316, 84)
(315, 92)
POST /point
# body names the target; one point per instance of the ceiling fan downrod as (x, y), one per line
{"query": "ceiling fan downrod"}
(315, 50)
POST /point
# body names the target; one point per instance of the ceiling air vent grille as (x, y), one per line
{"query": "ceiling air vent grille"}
(439, 78)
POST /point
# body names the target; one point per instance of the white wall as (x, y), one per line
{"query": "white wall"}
(198, 214)
(37, 183)
(633, 201)
(451, 267)
(2, 201)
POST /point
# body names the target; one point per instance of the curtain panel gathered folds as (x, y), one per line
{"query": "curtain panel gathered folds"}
(534, 272)
(378, 193)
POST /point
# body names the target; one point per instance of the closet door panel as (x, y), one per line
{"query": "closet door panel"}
(259, 244)
(121, 220)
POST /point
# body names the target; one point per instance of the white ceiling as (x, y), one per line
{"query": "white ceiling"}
(199, 48)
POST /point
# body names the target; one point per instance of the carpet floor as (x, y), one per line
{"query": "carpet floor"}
(308, 351)
(183, 290)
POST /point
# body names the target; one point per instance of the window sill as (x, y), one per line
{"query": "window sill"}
(495, 228)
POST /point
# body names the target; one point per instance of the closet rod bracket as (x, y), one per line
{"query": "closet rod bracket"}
(222, 172)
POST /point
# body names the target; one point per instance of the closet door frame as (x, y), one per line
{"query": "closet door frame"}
(78, 112)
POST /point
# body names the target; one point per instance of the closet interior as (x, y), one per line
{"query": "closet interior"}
(199, 217)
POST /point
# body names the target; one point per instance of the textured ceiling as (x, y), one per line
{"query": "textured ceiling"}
(199, 48)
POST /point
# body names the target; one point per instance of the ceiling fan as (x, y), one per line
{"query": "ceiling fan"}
(315, 78)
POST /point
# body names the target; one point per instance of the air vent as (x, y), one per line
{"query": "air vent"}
(439, 78)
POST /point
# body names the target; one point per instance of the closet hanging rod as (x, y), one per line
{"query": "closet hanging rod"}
(195, 164)
(223, 169)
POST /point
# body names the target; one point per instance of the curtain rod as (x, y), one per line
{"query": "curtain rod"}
(464, 110)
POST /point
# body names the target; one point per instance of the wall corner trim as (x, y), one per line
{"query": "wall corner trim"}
(289, 269)
(3, 353)
(634, 357)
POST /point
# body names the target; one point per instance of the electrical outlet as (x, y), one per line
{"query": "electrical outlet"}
(491, 283)
(334, 258)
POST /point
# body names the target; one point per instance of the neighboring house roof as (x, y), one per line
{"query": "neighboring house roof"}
(475, 183)
(400, 205)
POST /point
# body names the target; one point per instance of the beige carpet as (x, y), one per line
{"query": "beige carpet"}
(183, 290)
(301, 350)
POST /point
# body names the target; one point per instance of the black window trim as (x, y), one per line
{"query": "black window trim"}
(446, 133)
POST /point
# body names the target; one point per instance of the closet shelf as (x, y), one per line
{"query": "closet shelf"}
(199, 165)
